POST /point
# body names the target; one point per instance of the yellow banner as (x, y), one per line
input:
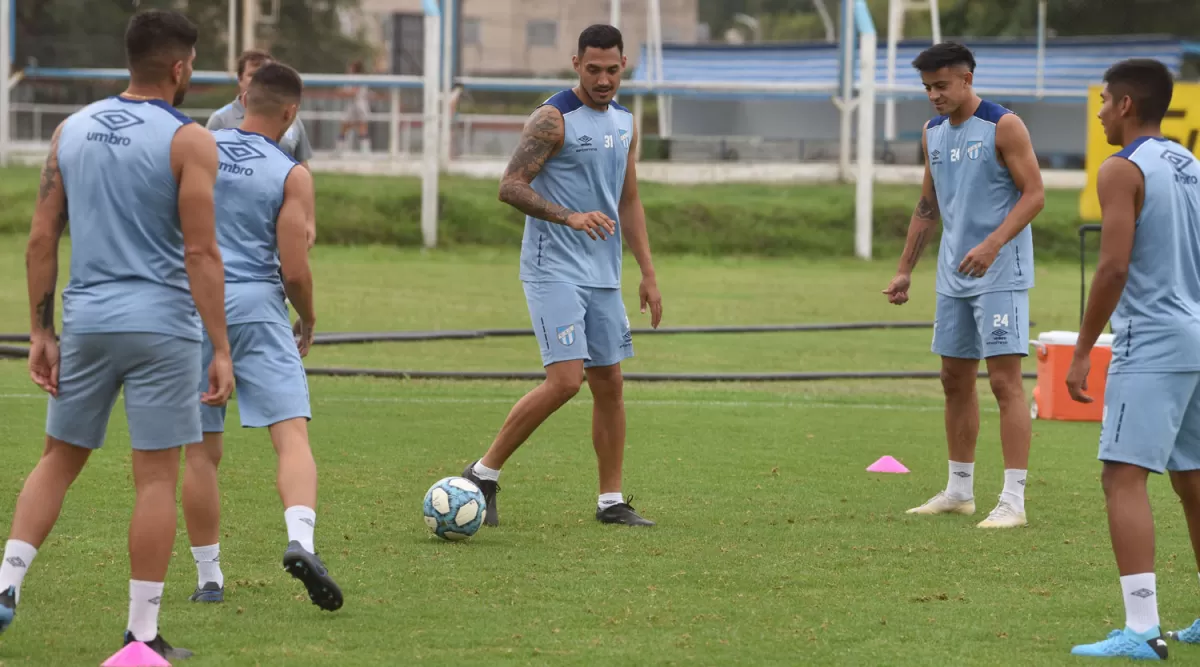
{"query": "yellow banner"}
(1182, 124)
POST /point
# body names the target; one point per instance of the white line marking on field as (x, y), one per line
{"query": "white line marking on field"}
(647, 402)
(643, 402)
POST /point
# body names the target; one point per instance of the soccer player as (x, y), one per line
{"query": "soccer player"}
(134, 178)
(264, 205)
(573, 175)
(295, 140)
(356, 112)
(982, 179)
(1149, 274)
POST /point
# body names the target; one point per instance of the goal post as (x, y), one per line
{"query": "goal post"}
(865, 183)
(430, 123)
(7, 44)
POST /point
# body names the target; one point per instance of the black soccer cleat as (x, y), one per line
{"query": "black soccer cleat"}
(161, 647)
(210, 592)
(623, 514)
(308, 568)
(490, 489)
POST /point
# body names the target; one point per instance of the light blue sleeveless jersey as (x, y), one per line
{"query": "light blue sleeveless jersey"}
(1156, 324)
(975, 192)
(249, 193)
(586, 175)
(127, 270)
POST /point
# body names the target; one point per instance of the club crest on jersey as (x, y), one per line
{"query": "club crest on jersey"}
(625, 138)
(566, 335)
(974, 149)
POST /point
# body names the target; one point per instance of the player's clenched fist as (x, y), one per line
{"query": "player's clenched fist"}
(897, 290)
(593, 223)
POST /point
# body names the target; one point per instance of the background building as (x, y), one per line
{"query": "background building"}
(521, 37)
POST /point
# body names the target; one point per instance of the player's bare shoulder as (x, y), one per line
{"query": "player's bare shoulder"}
(193, 144)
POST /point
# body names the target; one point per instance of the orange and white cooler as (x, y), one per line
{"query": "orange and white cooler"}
(1055, 349)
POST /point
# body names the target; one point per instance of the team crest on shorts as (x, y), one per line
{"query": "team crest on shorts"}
(566, 335)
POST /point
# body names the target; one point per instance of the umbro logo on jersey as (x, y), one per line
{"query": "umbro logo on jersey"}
(240, 151)
(117, 119)
(1181, 163)
(585, 140)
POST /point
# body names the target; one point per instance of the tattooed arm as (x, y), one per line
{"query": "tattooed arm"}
(920, 229)
(540, 140)
(924, 218)
(41, 253)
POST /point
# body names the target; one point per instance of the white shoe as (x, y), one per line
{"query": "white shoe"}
(944, 504)
(1004, 516)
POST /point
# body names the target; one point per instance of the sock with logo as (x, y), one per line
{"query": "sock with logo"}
(485, 472)
(145, 599)
(208, 564)
(1014, 488)
(962, 481)
(1141, 602)
(607, 500)
(18, 556)
(300, 522)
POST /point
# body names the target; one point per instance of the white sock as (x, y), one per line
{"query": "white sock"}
(208, 564)
(145, 599)
(962, 481)
(1141, 602)
(300, 522)
(485, 472)
(1014, 488)
(18, 556)
(607, 500)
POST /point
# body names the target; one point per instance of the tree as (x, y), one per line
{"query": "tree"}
(55, 33)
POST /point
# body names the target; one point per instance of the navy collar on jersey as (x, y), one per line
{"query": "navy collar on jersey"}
(156, 102)
(264, 137)
(1129, 150)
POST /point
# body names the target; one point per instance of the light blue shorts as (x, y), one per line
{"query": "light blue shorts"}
(1152, 420)
(159, 374)
(268, 373)
(978, 327)
(573, 322)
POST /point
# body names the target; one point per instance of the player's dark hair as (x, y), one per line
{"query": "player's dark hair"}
(601, 36)
(155, 40)
(946, 54)
(251, 57)
(1147, 82)
(273, 87)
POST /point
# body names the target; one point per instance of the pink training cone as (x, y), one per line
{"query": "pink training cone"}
(136, 654)
(887, 464)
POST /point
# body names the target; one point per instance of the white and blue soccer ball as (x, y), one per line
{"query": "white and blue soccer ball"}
(454, 508)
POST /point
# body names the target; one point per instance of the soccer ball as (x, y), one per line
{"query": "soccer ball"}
(454, 508)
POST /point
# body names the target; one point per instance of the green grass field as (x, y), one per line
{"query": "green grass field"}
(774, 546)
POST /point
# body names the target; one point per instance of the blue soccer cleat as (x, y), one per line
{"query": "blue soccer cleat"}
(8, 607)
(1188, 636)
(1126, 643)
